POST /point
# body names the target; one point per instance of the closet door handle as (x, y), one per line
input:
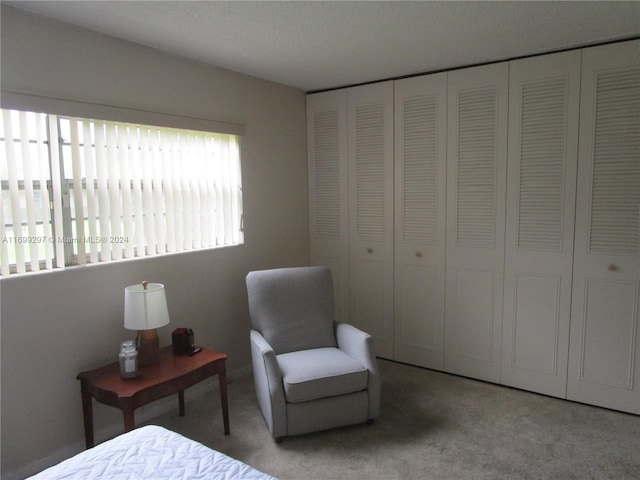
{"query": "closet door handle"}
(418, 254)
(369, 250)
(613, 268)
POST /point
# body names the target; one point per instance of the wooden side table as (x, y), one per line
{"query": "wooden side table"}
(172, 374)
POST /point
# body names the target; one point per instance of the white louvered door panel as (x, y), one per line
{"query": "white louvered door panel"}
(543, 147)
(476, 178)
(328, 190)
(370, 140)
(604, 355)
(420, 197)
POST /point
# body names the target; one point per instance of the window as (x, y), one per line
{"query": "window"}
(77, 191)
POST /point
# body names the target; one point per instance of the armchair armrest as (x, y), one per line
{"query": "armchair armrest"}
(359, 345)
(268, 383)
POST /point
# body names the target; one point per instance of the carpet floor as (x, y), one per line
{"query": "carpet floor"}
(432, 426)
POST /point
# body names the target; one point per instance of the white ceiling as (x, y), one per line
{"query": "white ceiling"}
(321, 45)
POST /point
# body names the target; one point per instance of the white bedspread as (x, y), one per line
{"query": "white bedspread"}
(150, 452)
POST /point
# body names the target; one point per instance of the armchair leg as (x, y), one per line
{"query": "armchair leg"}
(371, 421)
(279, 439)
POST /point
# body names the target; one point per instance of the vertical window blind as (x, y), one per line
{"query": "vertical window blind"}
(77, 191)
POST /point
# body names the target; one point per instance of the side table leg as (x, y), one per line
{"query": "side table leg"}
(222, 377)
(129, 420)
(87, 414)
(181, 402)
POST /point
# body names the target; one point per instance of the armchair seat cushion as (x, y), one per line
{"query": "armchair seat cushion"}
(320, 372)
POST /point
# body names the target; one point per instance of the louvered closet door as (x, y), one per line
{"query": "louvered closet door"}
(370, 119)
(420, 197)
(476, 177)
(328, 201)
(604, 357)
(543, 148)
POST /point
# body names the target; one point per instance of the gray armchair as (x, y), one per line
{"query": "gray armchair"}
(310, 372)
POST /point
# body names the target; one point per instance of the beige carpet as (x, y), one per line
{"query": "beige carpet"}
(432, 426)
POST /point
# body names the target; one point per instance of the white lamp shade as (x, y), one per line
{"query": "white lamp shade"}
(145, 309)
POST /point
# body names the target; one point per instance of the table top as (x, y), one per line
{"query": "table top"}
(168, 368)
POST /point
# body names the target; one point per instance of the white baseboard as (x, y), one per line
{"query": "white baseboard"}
(142, 415)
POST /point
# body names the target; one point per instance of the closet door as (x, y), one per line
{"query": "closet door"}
(476, 178)
(604, 357)
(328, 201)
(370, 126)
(420, 196)
(544, 95)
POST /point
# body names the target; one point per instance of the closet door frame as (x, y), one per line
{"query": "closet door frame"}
(475, 242)
(370, 153)
(420, 219)
(329, 210)
(604, 354)
(544, 102)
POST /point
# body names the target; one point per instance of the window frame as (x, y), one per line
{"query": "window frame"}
(62, 223)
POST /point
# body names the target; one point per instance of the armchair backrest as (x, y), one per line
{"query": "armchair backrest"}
(293, 307)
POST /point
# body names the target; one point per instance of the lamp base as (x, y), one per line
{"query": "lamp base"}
(148, 347)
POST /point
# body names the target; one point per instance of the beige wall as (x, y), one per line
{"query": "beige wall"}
(56, 324)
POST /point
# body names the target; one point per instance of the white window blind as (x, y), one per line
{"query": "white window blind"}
(26, 235)
(77, 191)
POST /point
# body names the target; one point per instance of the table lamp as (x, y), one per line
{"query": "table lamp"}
(145, 310)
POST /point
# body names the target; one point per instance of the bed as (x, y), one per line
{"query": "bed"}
(150, 452)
